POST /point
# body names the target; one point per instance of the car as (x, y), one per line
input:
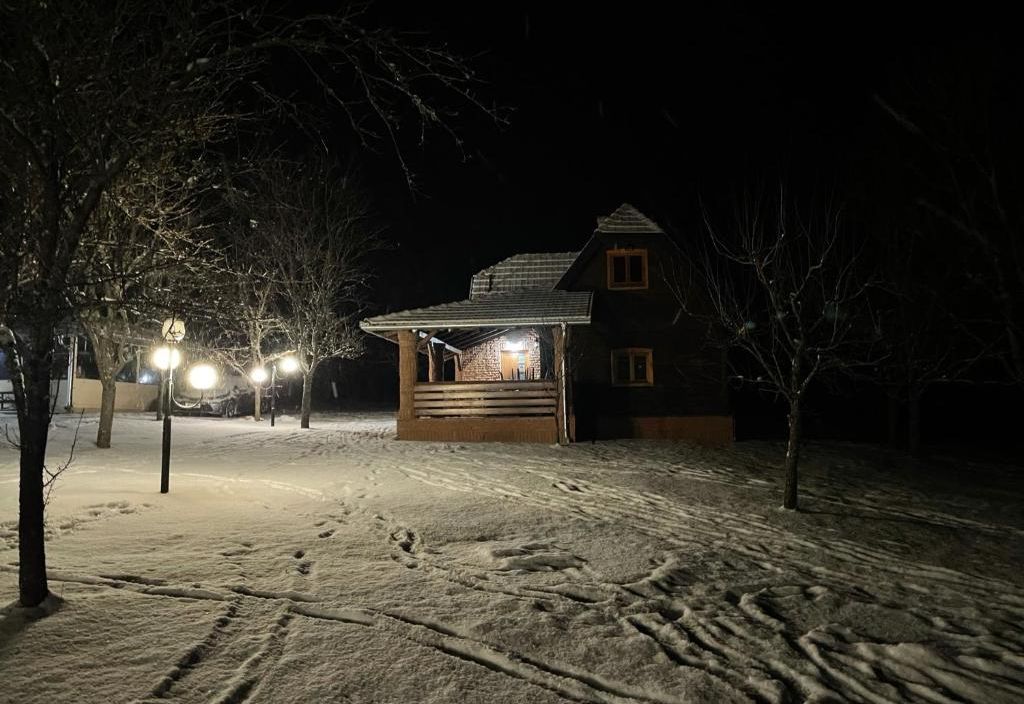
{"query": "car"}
(232, 396)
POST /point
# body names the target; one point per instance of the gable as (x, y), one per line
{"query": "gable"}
(625, 228)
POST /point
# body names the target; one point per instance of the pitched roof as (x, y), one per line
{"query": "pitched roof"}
(522, 272)
(626, 218)
(491, 310)
(517, 291)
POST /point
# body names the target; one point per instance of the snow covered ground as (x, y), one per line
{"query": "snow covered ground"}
(339, 565)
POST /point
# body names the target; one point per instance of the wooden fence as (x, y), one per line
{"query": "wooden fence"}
(489, 398)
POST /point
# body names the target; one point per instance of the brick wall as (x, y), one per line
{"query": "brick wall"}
(483, 362)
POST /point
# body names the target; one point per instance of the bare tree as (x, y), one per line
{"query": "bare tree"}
(964, 154)
(247, 324)
(315, 230)
(130, 259)
(925, 335)
(87, 88)
(780, 289)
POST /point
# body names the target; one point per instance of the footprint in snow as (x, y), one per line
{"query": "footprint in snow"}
(528, 557)
(405, 539)
(567, 486)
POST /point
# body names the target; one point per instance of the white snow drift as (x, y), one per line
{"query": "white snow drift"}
(337, 564)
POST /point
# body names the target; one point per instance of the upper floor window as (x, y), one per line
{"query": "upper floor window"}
(627, 268)
(632, 366)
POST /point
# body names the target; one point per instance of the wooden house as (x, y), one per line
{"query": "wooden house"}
(559, 347)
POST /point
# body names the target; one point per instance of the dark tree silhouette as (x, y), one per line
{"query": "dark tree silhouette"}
(964, 151)
(86, 89)
(924, 325)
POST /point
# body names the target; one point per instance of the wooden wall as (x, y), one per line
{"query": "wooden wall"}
(689, 374)
(503, 429)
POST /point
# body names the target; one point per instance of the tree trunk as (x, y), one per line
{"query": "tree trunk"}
(107, 353)
(792, 455)
(34, 429)
(107, 399)
(892, 418)
(307, 398)
(914, 420)
(256, 404)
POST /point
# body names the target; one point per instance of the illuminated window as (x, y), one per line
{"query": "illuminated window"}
(632, 367)
(627, 268)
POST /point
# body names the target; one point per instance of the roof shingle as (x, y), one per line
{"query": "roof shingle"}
(626, 218)
(522, 272)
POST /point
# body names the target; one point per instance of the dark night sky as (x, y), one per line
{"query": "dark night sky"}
(646, 105)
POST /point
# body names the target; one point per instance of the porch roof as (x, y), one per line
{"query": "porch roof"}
(522, 272)
(494, 310)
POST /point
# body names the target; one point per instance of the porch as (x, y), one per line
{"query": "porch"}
(467, 411)
(507, 375)
(498, 402)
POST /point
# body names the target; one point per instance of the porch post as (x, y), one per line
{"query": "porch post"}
(435, 353)
(563, 382)
(458, 367)
(406, 375)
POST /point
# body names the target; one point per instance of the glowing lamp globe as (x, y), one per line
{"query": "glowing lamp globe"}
(258, 375)
(173, 330)
(289, 365)
(166, 358)
(202, 377)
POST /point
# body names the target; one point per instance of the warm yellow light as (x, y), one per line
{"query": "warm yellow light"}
(289, 364)
(166, 358)
(173, 330)
(202, 377)
(258, 375)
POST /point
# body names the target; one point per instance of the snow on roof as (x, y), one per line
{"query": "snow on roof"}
(626, 218)
(522, 272)
(492, 310)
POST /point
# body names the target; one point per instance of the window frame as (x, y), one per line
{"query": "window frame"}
(631, 353)
(612, 254)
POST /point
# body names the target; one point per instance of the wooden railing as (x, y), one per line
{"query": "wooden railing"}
(486, 398)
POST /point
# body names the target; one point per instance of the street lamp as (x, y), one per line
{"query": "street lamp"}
(202, 377)
(288, 365)
(167, 358)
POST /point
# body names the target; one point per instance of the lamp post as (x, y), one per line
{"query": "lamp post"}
(168, 357)
(202, 376)
(288, 365)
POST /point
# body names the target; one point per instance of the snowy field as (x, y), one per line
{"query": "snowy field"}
(339, 565)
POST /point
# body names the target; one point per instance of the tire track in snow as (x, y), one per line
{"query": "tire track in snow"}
(996, 610)
(197, 653)
(659, 517)
(567, 681)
